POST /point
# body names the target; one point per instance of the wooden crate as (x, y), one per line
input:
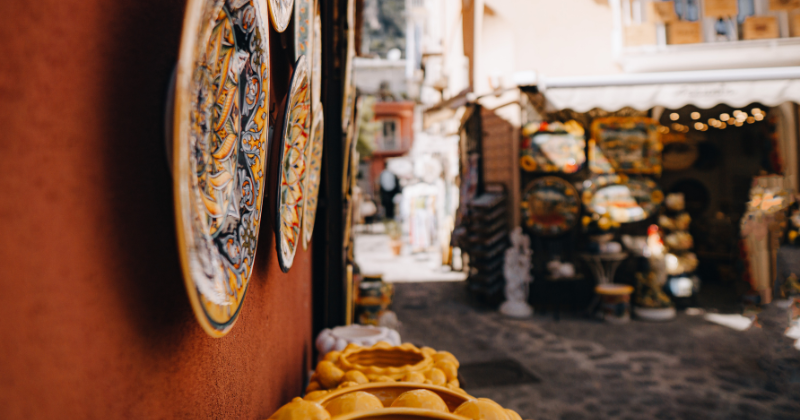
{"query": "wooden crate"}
(661, 12)
(783, 5)
(684, 33)
(760, 27)
(794, 24)
(720, 8)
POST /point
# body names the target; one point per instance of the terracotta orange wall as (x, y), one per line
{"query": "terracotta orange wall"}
(95, 319)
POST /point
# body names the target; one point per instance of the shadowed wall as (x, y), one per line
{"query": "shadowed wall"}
(95, 318)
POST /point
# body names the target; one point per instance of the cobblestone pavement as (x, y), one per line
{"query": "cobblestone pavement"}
(684, 369)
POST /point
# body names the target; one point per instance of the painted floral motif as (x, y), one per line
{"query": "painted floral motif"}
(281, 13)
(303, 15)
(291, 198)
(220, 156)
(314, 172)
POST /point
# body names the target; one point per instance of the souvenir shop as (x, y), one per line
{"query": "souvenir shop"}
(665, 190)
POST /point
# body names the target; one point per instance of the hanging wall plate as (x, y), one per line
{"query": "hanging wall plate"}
(219, 143)
(632, 145)
(316, 60)
(625, 199)
(550, 206)
(291, 180)
(303, 19)
(281, 13)
(314, 164)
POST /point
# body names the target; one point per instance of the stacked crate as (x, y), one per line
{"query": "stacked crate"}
(486, 239)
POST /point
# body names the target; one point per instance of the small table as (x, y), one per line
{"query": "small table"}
(604, 266)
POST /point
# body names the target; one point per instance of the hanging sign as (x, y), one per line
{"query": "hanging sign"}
(720, 8)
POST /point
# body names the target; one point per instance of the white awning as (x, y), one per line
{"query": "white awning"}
(704, 89)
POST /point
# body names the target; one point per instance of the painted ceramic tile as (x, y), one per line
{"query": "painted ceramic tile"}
(550, 206)
(630, 144)
(313, 178)
(303, 18)
(281, 13)
(291, 194)
(624, 199)
(219, 152)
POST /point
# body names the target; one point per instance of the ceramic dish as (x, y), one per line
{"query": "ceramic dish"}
(622, 198)
(630, 144)
(316, 60)
(550, 206)
(553, 152)
(281, 13)
(303, 20)
(219, 153)
(314, 164)
(292, 173)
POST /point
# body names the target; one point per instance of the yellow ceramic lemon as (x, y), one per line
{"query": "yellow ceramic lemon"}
(332, 356)
(449, 368)
(481, 409)
(420, 398)
(436, 376)
(356, 376)
(314, 395)
(350, 403)
(300, 409)
(414, 377)
(446, 355)
(328, 374)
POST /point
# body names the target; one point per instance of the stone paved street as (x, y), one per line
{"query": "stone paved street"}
(685, 369)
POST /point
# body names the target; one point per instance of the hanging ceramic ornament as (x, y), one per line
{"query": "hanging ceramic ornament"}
(219, 152)
(292, 173)
(314, 163)
(281, 13)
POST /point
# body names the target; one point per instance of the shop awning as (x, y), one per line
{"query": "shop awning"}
(704, 89)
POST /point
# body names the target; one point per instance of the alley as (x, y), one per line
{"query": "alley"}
(685, 369)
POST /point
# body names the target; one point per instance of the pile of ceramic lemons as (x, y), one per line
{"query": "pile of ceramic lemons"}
(383, 382)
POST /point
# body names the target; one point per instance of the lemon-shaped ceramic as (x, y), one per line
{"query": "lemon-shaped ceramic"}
(420, 398)
(353, 402)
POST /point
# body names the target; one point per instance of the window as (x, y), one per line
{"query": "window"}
(389, 138)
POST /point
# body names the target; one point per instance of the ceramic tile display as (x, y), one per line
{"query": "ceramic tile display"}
(631, 145)
(219, 152)
(303, 20)
(622, 198)
(292, 174)
(314, 163)
(281, 13)
(550, 206)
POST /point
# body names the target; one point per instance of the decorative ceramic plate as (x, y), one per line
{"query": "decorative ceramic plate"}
(550, 206)
(316, 60)
(219, 153)
(624, 199)
(314, 163)
(303, 19)
(553, 152)
(291, 181)
(631, 144)
(281, 13)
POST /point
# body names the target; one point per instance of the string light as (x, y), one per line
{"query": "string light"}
(759, 117)
(722, 125)
(724, 117)
(674, 116)
(698, 125)
(695, 115)
(751, 120)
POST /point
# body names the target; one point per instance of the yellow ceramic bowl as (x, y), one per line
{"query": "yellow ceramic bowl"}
(383, 359)
(401, 414)
(387, 393)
